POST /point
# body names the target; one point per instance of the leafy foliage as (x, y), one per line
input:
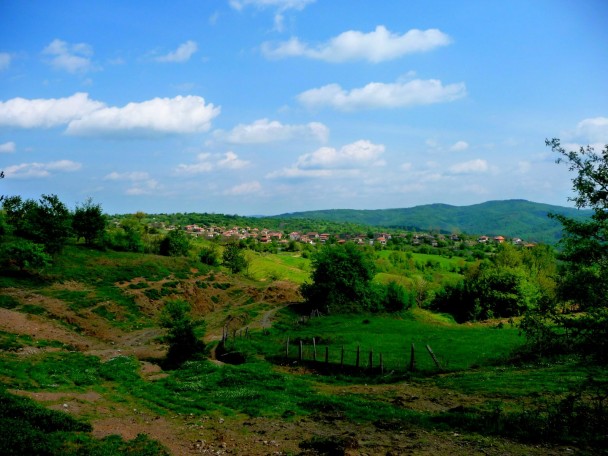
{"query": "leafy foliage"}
(183, 342)
(23, 255)
(234, 258)
(583, 283)
(88, 222)
(175, 243)
(341, 280)
(46, 222)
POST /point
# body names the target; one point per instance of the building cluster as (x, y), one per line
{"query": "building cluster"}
(265, 236)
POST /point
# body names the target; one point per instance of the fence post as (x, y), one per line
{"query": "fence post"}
(314, 349)
(342, 358)
(287, 348)
(327, 354)
(300, 352)
(413, 358)
(358, 356)
(247, 332)
(371, 359)
(434, 357)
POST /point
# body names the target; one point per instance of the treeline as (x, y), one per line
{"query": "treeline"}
(34, 231)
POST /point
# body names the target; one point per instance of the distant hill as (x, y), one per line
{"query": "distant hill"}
(510, 218)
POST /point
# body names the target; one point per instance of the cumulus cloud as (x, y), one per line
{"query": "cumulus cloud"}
(245, 188)
(8, 147)
(46, 113)
(5, 60)
(469, 167)
(207, 162)
(182, 114)
(180, 55)
(86, 117)
(593, 130)
(73, 58)
(380, 95)
(459, 146)
(326, 161)
(265, 131)
(37, 170)
(377, 46)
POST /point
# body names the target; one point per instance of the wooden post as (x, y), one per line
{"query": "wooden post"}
(381, 365)
(300, 351)
(247, 332)
(434, 357)
(342, 358)
(358, 356)
(314, 349)
(371, 359)
(327, 354)
(413, 358)
(287, 348)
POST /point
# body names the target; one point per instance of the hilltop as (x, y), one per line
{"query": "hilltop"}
(511, 218)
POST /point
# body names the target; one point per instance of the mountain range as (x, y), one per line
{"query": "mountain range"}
(510, 218)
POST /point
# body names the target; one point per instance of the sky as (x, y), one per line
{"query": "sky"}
(263, 107)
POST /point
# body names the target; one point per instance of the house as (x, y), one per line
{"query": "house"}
(483, 239)
(499, 239)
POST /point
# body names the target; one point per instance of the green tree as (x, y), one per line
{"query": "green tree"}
(583, 277)
(175, 243)
(46, 222)
(88, 222)
(209, 256)
(23, 255)
(341, 280)
(181, 336)
(234, 258)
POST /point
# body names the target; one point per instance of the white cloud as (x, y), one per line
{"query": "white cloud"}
(5, 60)
(282, 5)
(593, 130)
(245, 188)
(46, 113)
(141, 182)
(181, 54)
(359, 153)
(265, 131)
(37, 170)
(73, 58)
(472, 166)
(232, 161)
(182, 114)
(207, 162)
(132, 176)
(8, 147)
(328, 161)
(377, 46)
(459, 146)
(380, 95)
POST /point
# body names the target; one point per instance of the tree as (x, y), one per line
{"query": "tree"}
(175, 243)
(209, 256)
(23, 255)
(88, 222)
(46, 222)
(234, 258)
(183, 342)
(341, 280)
(583, 278)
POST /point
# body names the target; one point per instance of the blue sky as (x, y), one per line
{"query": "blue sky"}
(271, 106)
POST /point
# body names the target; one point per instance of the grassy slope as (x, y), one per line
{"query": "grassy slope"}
(257, 388)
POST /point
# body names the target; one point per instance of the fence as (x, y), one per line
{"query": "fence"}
(309, 351)
(358, 359)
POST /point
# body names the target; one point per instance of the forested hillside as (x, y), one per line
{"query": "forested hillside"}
(511, 218)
